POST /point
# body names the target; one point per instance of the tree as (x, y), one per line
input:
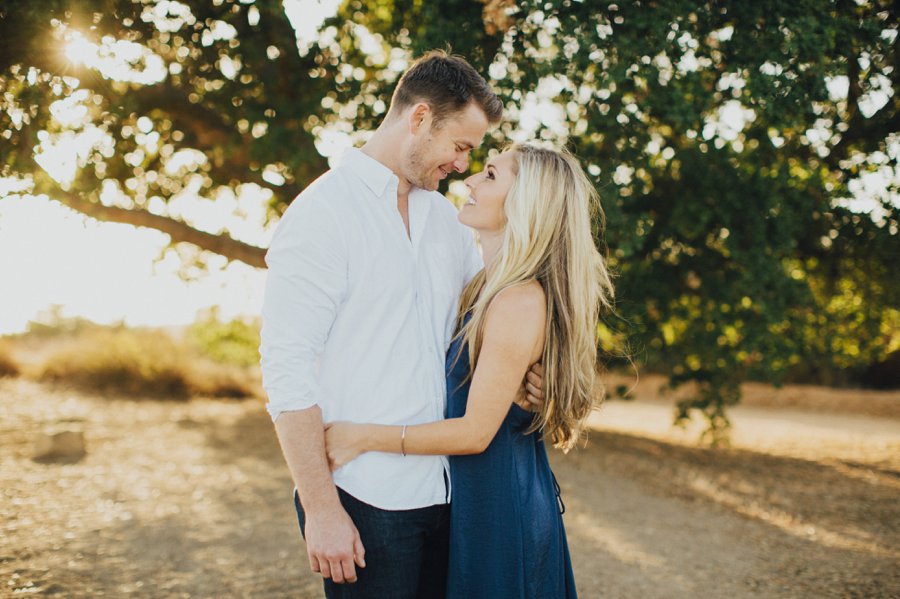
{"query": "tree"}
(223, 78)
(722, 145)
(725, 139)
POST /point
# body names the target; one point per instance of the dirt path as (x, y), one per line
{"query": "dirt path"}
(193, 500)
(787, 432)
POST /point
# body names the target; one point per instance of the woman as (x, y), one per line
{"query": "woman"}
(537, 299)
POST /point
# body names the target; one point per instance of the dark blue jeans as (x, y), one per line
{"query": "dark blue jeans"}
(406, 551)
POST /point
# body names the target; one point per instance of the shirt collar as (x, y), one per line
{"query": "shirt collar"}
(375, 175)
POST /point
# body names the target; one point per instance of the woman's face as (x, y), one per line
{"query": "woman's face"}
(487, 192)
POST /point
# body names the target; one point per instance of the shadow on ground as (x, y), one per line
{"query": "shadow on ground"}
(675, 521)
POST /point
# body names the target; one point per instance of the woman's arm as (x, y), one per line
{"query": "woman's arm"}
(513, 340)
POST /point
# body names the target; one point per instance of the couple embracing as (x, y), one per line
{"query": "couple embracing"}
(413, 381)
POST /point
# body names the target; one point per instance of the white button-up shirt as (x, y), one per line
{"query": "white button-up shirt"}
(357, 317)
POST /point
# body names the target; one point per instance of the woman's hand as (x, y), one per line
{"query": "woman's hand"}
(343, 442)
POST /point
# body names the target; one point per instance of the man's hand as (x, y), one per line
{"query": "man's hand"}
(333, 545)
(332, 540)
(531, 393)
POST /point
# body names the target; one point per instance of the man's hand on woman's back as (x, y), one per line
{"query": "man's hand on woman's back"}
(531, 393)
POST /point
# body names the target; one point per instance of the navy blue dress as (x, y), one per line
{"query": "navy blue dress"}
(506, 531)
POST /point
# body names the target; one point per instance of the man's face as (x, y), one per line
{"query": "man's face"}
(435, 152)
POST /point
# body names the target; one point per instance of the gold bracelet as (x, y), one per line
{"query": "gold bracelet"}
(403, 441)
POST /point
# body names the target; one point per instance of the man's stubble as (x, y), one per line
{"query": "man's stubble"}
(416, 170)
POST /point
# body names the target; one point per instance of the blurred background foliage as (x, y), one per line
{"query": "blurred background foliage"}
(746, 152)
(234, 342)
(211, 358)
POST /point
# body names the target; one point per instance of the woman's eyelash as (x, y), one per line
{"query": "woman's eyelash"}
(490, 175)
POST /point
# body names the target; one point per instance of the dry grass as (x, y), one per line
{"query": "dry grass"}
(141, 362)
(8, 366)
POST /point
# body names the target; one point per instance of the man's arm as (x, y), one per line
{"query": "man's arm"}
(305, 285)
(329, 531)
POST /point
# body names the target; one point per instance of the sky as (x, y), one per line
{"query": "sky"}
(106, 272)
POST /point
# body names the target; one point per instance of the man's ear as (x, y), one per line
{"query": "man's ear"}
(420, 116)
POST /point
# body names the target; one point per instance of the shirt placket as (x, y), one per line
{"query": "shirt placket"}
(433, 381)
(412, 250)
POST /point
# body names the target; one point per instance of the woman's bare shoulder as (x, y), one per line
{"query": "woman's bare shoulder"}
(527, 297)
(519, 311)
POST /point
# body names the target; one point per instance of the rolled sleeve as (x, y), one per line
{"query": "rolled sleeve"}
(305, 285)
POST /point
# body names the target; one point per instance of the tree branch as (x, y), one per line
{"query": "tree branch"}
(178, 230)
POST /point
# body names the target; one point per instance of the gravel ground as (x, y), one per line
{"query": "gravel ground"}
(193, 500)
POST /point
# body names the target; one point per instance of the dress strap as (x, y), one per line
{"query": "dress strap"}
(558, 492)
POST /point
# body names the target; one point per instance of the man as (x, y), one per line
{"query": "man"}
(365, 273)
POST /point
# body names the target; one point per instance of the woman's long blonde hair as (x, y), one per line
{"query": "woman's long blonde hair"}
(548, 238)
